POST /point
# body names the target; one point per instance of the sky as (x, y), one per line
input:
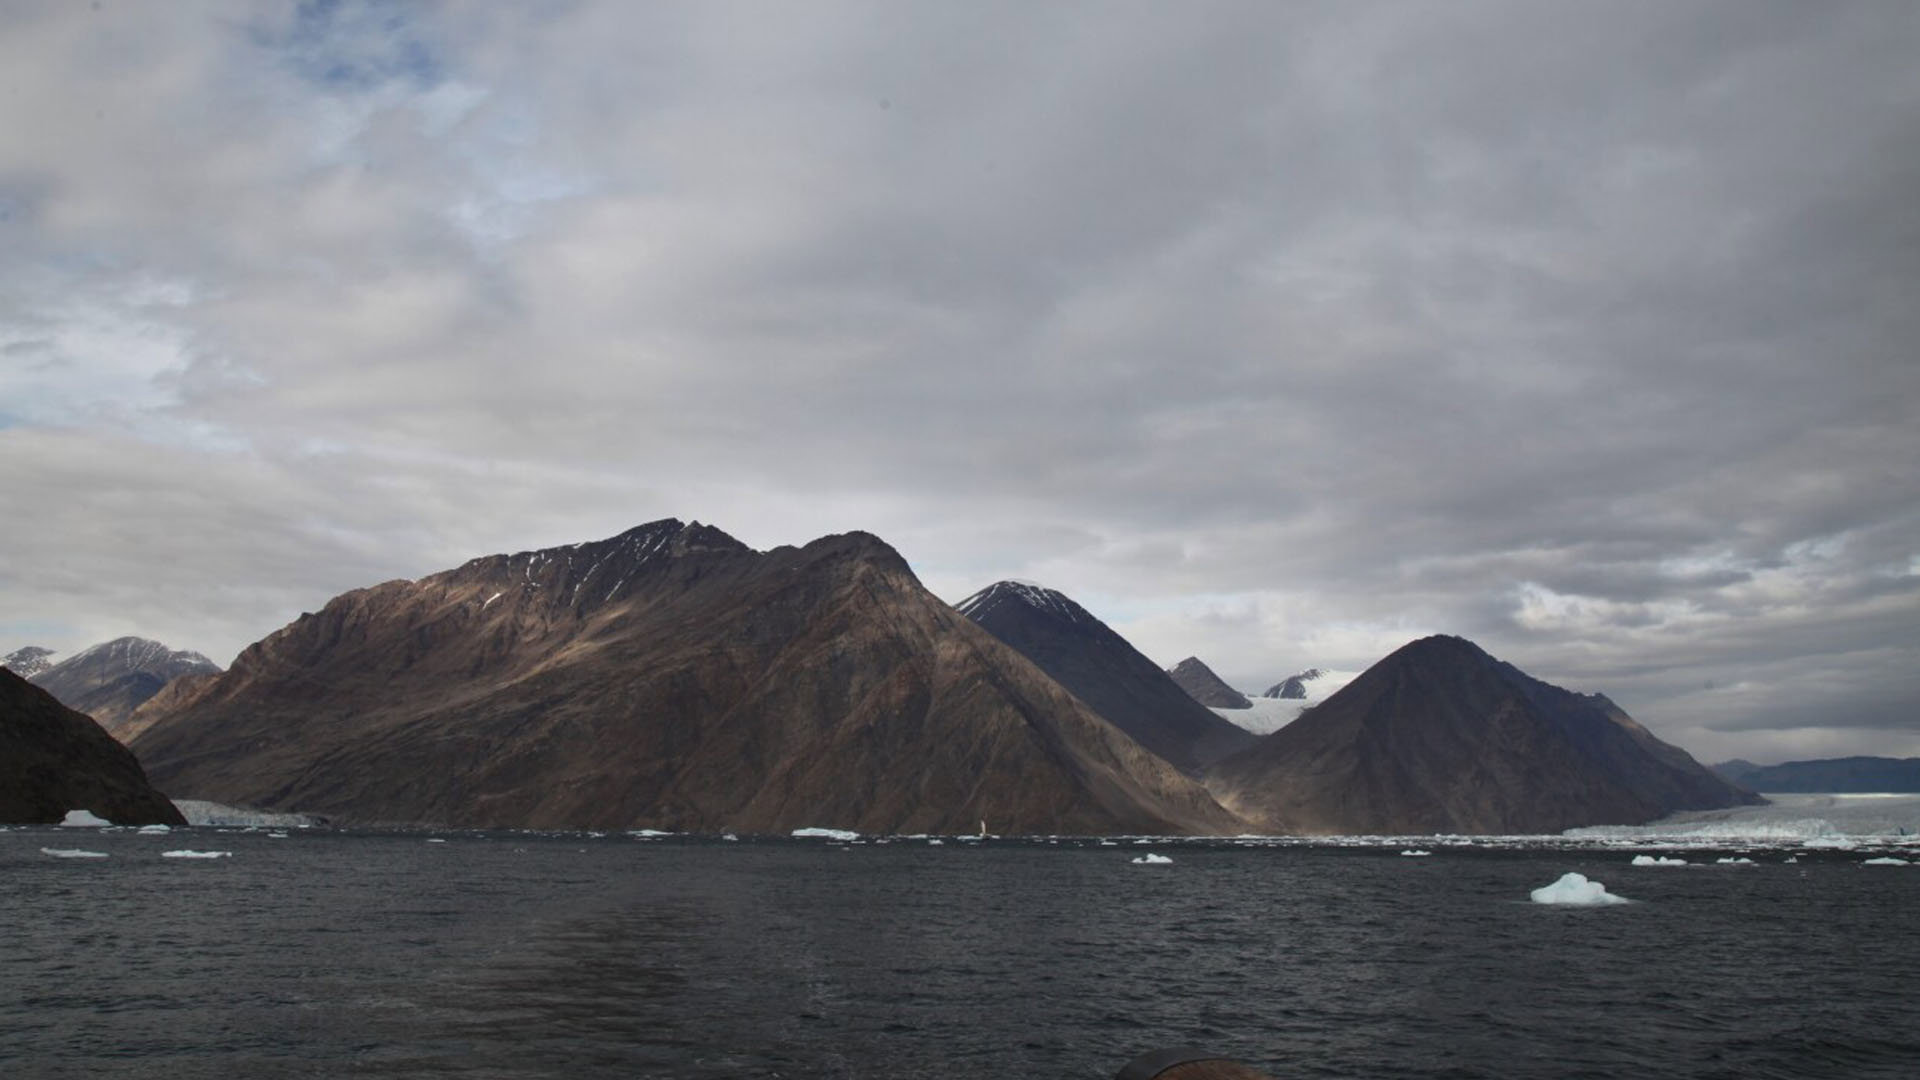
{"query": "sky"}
(1276, 334)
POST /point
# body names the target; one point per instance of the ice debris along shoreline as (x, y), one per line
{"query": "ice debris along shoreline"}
(827, 834)
(200, 812)
(1575, 890)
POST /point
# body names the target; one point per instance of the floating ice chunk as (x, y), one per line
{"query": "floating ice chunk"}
(189, 854)
(1734, 862)
(276, 836)
(82, 819)
(1150, 859)
(1576, 890)
(72, 853)
(1415, 853)
(154, 830)
(642, 834)
(730, 838)
(829, 834)
(1884, 860)
(935, 842)
(1657, 860)
(1791, 859)
(436, 839)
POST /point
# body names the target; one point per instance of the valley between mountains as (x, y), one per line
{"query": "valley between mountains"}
(672, 677)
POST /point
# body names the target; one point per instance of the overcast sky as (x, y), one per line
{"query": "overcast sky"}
(1279, 334)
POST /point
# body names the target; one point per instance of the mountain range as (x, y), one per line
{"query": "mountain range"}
(1828, 775)
(668, 677)
(113, 679)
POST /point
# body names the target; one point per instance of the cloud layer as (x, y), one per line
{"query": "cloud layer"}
(1277, 334)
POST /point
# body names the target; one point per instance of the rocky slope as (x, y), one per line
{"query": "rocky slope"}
(1847, 775)
(111, 680)
(1442, 738)
(53, 759)
(1084, 655)
(667, 677)
(1203, 686)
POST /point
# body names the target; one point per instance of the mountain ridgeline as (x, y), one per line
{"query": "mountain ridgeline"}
(668, 677)
(1440, 737)
(1203, 686)
(1855, 775)
(110, 681)
(1084, 655)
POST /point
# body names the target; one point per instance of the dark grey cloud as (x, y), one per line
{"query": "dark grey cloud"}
(1276, 333)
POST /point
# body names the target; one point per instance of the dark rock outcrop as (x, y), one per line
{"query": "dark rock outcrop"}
(111, 680)
(1442, 738)
(1293, 687)
(667, 677)
(1847, 775)
(1084, 655)
(1203, 686)
(53, 759)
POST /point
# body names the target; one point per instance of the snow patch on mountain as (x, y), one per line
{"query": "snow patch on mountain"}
(1029, 593)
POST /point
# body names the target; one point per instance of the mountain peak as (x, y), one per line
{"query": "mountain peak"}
(1030, 594)
(1199, 681)
(27, 661)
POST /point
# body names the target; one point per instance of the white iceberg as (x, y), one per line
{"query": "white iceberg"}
(72, 853)
(154, 830)
(82, 819)
(189, 854)
(829, 834)
(1415, 853)
(1884, 860)
(1575, 890)
(1657, 860)
(1150, 859)
(641, 834)
(1734, 862)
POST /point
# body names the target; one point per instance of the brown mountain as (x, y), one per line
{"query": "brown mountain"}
(1203, 686)
(110, 680)
(53, 759)
(1442, 738)
(667, 677)
(1084, 655)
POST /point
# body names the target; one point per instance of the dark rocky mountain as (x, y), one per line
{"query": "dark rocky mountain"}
(1847, 775)
(53, 759)
(668, 677)
(1203, 686)
(28, 661)
(1084, 655)
(1442, 738)
(1293, 686)
(110, 680)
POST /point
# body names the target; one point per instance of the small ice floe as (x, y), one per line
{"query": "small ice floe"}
(1734, 862)
(186, 853)
(646, 834)
(1150, 859)
(1884, 860)
(1108, 843)
(154, 830)
(72, 853)
(1657, 860)
(83, 819)
(1415, 853)
(827, 834)
(935, 842)
(436, 839)
(1574, 889)
(730, 838)
(1791, 859)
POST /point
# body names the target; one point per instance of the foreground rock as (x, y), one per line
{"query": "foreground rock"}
(1442, 738)
(110, 681)
(1203, 686)
(1084, 655)
(668, 677)
(53, 760)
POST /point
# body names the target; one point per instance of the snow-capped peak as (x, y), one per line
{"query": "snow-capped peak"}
(1032, 594)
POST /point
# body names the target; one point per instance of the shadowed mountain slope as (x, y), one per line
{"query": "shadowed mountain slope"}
(1084, 655)
(1827, 775)
(667, 677)
(1439, 737)
(53, 759)
(1203, 686)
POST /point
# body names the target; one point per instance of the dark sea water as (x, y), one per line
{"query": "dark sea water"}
(501, 955)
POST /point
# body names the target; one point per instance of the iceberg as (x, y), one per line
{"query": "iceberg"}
(82, 819)
(188, 854)
(1415, 853)
(1657, 860)
(1884, 860)
(154, 830)
(829, 834)
(1575, 890)
(1150, 859)
(72, 853)
(1734, 862)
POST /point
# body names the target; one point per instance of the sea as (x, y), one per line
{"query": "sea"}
(335, 953)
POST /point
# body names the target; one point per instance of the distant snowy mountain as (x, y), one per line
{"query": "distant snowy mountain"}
(27, 662)
(1284, 701)
(110, 680)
